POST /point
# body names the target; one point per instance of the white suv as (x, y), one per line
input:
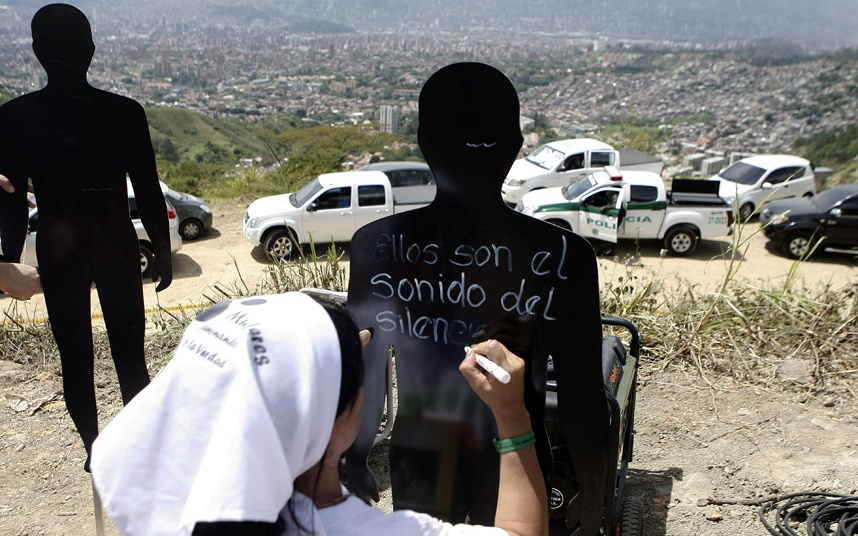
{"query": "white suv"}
(759, 179)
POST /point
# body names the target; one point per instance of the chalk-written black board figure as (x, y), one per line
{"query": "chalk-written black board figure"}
(77, 143)
(433, 280)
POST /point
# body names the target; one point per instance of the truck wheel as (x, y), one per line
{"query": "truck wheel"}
(279, 245)
(746, 211)
(681, 241)
(563, 224)
(807, 195)
(796, 244)
(631, 520)
(147, 259)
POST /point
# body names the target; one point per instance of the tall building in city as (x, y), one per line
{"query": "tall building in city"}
(162, 67)
(388, 118)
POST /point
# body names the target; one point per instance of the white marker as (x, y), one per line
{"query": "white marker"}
(489, 366)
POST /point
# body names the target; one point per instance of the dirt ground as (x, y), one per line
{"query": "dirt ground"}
(693, 442)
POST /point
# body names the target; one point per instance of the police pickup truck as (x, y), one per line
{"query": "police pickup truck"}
(611, 204)
(330, 207)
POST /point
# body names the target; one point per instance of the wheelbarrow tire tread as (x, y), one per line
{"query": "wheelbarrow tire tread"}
(631, 521)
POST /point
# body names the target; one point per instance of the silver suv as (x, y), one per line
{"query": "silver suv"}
(147, 255)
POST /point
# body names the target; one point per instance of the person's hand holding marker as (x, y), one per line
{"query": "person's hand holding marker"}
(506, 400)
(522, 499)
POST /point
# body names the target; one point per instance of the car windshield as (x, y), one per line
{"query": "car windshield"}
(174, 196)
(828, 198)
(742, 173)
(304, 194)
(578, 187)
(546, 157)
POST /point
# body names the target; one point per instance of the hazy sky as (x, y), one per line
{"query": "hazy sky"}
(819, 22)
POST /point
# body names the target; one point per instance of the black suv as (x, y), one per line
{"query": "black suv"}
(831, 216)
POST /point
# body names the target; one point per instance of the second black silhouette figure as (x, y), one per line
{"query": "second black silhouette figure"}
(467, 267)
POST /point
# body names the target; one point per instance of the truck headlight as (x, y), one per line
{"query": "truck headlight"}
(782, 219)
(515, 182)
(252, 222)
(206, 209)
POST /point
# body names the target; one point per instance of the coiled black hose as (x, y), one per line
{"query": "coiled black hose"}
(820, 511)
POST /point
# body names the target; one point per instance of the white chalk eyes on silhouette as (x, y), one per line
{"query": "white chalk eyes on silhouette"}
(492, 144)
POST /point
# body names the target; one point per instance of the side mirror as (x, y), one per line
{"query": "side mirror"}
(835, 213)
(313, 207)
(766, 186)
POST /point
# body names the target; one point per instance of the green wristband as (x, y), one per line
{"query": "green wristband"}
(514, 443)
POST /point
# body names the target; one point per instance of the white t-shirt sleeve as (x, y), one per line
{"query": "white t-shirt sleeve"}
(354, 517)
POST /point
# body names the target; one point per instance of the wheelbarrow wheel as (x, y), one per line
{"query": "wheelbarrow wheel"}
(631, 521)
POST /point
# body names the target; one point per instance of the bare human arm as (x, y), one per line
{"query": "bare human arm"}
(150, 201)
(19, 280)
(522, 508)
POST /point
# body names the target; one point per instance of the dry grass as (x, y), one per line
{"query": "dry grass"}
(742, 330)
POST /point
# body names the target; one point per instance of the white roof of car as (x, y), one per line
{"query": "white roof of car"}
(646, 178)
(347, 178)
(579, 144)
(771, 161)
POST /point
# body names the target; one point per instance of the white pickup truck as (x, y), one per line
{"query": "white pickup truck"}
(330, 207)
(610, 204)
(563, 162)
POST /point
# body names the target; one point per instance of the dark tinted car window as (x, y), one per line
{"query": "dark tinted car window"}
(406, 178)
(643, 194)
(742, 173)
(370, 196)
(850, 207)
(601, 159)
(780, 175)
(602, 198)
(576, 161)
(335, 198)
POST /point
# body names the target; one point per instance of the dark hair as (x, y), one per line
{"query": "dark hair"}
(350, 350)
(351, 379)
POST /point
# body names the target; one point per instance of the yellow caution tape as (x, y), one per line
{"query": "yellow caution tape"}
(101, 315)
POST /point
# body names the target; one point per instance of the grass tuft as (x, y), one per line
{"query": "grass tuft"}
(743, 330)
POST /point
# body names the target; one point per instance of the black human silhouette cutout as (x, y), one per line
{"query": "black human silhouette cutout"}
(432, 280)
(76, 144)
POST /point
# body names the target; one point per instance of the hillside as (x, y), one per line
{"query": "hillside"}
(5, 95)
(191, 134)
(202, 156)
